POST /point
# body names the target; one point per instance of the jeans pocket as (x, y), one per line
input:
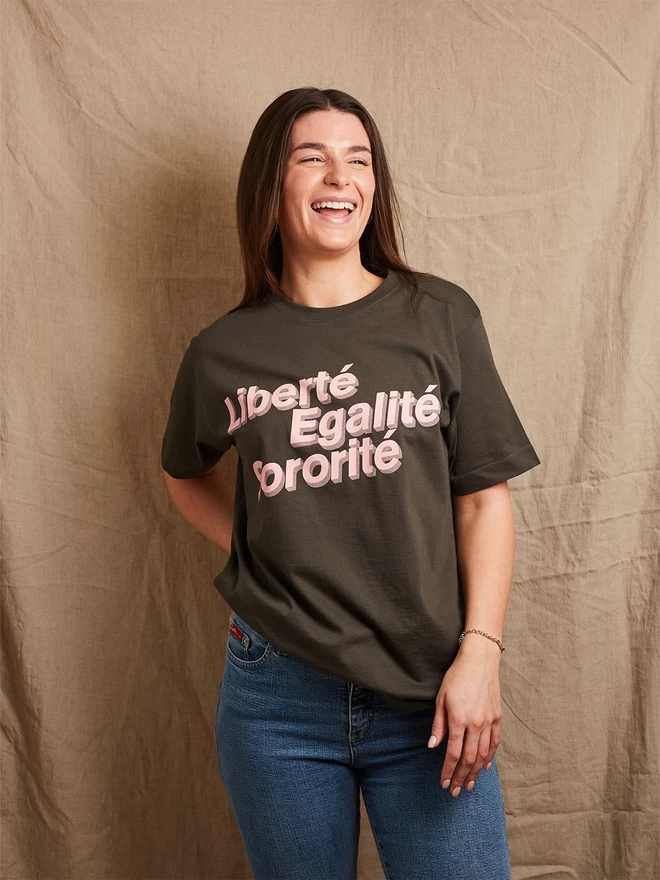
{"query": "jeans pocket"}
(246, 647)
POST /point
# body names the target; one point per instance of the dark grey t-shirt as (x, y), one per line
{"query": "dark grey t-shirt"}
(354, 425)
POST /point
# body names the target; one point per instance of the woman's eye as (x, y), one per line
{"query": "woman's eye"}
(311, 158)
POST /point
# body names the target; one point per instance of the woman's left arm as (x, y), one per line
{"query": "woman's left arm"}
(468, 702)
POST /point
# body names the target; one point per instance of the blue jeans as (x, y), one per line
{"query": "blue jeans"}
(296, 744)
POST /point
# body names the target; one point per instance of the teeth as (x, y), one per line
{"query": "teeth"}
(349, 205)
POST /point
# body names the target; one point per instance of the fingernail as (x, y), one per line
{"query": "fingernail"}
(470, 785)
(445, 784)
(456, 791)
(489, 765)
(431, 742)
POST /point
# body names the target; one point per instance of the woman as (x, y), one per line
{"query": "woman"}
(369, 573)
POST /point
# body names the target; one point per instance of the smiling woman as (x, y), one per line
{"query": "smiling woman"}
(329, 168)
(308, 147)
(361, 418)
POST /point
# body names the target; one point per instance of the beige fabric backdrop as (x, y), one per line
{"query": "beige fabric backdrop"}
(524, 142)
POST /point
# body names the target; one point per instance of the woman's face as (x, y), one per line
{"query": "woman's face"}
(334, 168)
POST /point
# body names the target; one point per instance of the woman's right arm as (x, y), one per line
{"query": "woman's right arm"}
(207, 503)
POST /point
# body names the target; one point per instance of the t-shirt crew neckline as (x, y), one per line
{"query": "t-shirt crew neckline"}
(331, 313)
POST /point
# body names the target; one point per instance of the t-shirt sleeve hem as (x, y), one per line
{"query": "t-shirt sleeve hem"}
(182, 475)
(496, 472)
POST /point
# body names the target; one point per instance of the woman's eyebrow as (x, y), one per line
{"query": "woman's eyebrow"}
(316, 145)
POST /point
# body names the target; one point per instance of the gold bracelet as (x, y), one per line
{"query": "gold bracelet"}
(482, 633)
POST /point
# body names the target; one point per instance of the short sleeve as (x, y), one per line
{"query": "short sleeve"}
(191, 445)
(486, 441)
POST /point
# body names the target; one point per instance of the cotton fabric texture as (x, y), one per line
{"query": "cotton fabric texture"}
(354, 426)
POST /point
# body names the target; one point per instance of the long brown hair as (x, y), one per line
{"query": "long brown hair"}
(260, 187)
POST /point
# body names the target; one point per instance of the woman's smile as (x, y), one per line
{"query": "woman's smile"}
(334, 215)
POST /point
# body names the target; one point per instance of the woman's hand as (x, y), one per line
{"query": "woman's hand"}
(468, 704)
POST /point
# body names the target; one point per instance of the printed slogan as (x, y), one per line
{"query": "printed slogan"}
(343, 433)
